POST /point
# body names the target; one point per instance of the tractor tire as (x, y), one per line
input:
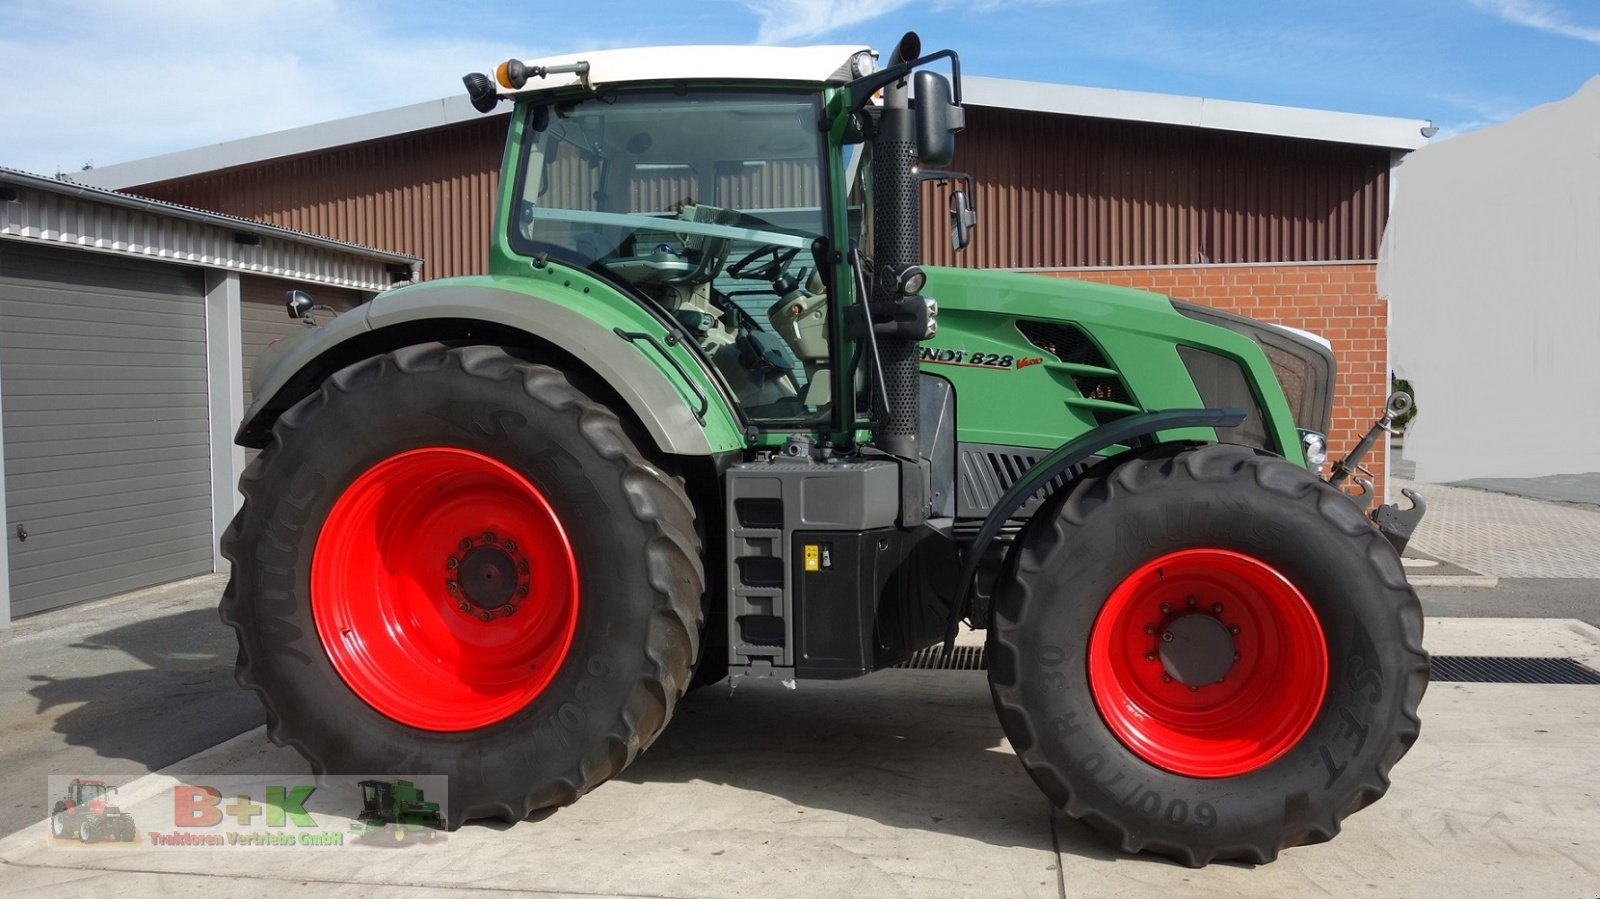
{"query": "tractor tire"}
(1206, 653)
(453, 562)
(88, 833)
(61, 823)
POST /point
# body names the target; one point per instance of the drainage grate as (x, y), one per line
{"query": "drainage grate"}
(1511, 670)
(1457, 669)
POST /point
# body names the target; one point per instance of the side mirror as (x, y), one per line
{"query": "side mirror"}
(938, 119)
(962, 219)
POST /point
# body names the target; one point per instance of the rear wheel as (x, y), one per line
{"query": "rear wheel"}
(61, 825)
(453, 562)
(1206, 653)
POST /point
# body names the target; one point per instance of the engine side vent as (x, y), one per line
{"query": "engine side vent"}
(1069, 344)
(988, 471)
(1066, 342)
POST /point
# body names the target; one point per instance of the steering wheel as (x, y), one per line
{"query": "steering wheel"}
(768, 272)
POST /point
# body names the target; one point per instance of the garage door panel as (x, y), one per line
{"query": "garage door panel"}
(45, 267)
(107, 493)
(66, 519)
(103, 367)
(100, 402)
(34, 354)
(92, 582)
(115, 340)
(75, 440)
(67, 303)
(40, 562)
(116, 414)
(128, 460)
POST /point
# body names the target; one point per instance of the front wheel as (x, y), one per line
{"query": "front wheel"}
(1206, 653)
(453, 562)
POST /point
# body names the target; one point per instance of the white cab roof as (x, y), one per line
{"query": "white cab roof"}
(824, 64)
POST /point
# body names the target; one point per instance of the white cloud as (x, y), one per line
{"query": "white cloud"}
(107, 81)
(783, 21)
(1546, 17)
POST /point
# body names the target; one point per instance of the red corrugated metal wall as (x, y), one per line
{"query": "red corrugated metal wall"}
(1063, 191)
(430, 194)
(1053, 191)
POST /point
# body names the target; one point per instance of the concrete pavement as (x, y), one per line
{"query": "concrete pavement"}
(901, 784)
(893, 785)
(123, 686)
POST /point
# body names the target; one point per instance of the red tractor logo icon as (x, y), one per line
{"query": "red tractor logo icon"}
(87, 815)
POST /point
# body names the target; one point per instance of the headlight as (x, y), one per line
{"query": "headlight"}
(1316, 448)
(863, 64)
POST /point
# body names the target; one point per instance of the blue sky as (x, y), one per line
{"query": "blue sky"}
(105, 81)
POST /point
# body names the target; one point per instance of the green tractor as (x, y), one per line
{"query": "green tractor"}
(704, 418)
(395, 809)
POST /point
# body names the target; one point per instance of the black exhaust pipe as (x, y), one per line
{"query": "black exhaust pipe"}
(897, 246)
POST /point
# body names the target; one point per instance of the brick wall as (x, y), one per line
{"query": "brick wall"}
(1338, 301)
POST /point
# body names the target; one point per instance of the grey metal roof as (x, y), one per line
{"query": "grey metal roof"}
(45, 211)
(112, 197)
(1002, 93)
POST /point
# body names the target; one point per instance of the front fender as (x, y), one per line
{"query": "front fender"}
(1127, 431)
(662, 383)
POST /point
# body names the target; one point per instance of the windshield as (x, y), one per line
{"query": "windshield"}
(706, 204)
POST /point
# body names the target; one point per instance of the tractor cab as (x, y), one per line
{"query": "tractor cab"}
(731, 204)
(707, 202)
(80, 792)
(377, 800)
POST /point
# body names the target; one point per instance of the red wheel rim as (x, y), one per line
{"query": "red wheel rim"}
(1208, 663)
(444, 589)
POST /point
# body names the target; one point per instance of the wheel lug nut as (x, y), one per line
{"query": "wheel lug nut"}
(451, 563)
(1193, 689)
(488, 536)
(510, 546)
(462, 606)
(466, 543)
(1217, 608)
(452, 586)
(1166, 637)
(486, 615)
(522, 590)
(1149, 628)
(1165, 608)
(1190, 600)
(1166, 678)
(1234, 629)
(1236, 657)
(507, 609)
(1150, 656)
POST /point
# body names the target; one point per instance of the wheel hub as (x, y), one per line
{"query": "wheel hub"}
(1196, 649)
(487, 576)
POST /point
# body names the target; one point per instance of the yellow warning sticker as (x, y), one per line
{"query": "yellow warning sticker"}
(813, 557)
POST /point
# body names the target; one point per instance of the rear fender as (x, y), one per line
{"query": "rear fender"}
(660, 381)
